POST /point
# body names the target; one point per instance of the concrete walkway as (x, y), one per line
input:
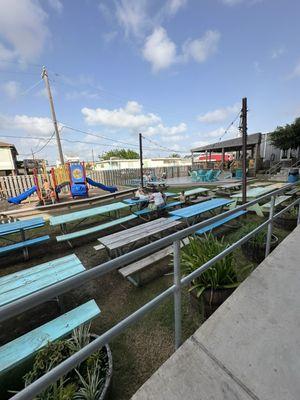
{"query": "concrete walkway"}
(249, 348)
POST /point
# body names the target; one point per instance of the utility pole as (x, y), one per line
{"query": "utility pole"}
(244, 141)
(141, 159)
(60, 152)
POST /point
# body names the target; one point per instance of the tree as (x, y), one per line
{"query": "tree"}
(174, 155)
(120, 153)
(287, 137)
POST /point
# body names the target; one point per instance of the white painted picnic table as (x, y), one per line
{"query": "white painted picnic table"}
(128, 237)
(196, 191)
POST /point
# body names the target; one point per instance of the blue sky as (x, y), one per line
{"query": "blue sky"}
(175, 70)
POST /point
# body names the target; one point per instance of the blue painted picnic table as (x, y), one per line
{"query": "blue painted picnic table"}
(21, 227)
(19, 284)
(196, 210)
(90, 212)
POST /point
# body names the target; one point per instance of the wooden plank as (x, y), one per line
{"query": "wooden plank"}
(69, 260)
(84, 232)
(33, 284)
(24, 244)
(18, 350)
(278, 200)
(90, 212)
(16, 226)
(144, 233)
(221, 222)
(198, 209)
(99, 247)
(138, 266)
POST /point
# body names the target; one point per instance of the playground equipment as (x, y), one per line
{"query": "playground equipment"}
(48, 186)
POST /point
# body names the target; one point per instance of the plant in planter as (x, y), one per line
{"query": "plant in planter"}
(254, 249)
(215, 284)
(287, 220)
(89, 381)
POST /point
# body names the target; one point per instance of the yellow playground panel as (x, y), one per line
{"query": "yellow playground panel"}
(61, 174)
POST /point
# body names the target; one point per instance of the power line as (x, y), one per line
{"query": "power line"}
(165, 148)
(31, 87)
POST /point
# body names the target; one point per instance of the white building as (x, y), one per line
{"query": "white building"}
(8, 159)
(118, 163)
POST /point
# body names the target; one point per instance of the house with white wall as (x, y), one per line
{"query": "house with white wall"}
(8, 159)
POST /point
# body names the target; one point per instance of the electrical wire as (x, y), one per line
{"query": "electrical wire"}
(31, 87)
(165, 148)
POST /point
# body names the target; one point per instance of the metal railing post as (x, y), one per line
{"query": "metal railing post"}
(270, 227)
(298, 219)
(177, 293)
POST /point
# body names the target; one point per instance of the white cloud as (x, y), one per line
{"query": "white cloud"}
(56, 5)
(161, 129)
(41, 126)
(131, 117)
(201, 49)
(11, 89)
(173, 6)
(218, 115)
(296, 72)
(218, 133)
(277, 53)
(23, 29)
(159, 50)
(132, 16)
(119, 118)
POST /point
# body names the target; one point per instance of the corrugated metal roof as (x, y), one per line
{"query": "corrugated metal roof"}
(231, 144)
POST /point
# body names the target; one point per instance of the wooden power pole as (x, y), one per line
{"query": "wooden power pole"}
(244, 141)
(60, 152)
(141, 159)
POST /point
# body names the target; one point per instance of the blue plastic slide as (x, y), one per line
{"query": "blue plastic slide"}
(22, 196)
(110, 189)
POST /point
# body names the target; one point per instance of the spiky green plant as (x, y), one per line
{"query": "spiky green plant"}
(92, 385)
(200, 250)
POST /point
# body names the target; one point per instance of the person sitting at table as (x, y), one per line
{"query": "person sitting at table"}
(156, 201)
(182, 197)
(140, 193)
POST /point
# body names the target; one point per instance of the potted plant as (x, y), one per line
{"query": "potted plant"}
(88, 381)
(254, 249)
(217, 283)
(287, 220)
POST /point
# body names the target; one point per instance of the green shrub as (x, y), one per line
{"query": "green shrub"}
(221, 275)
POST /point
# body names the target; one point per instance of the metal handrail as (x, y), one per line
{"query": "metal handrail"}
(30, 301)
(273, 167)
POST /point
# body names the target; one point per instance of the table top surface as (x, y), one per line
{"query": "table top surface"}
(22, 283)
(200, 208)
(196, 191)
(255, 192)
(17, 226)
(138, 232)
(90, 212)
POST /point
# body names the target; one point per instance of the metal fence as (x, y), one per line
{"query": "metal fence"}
(33, 300)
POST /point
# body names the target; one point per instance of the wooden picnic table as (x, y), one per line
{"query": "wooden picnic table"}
(191, 213)
(134, 202)
(20, 284)
(21, 227)
(115, 242)
(252, 194)
(195, 192)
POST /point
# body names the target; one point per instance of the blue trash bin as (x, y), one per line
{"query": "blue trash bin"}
(293, 175)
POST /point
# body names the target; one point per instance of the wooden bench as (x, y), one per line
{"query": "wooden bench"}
(293, 191)
(21, 227)
(132, 271)
(88, 231)
(148, 211)
(220, 222)
(19, 284)
(278, 200)
(24, 347)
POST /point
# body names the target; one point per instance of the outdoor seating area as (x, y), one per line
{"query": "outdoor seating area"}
(202, 175)
(118, 227)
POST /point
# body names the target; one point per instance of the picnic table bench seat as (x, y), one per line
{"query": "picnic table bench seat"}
(21, 227)
(132, 271)
(147, 210)
(25, 346)
(220, 222)
(26, 243)
(87, 231)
